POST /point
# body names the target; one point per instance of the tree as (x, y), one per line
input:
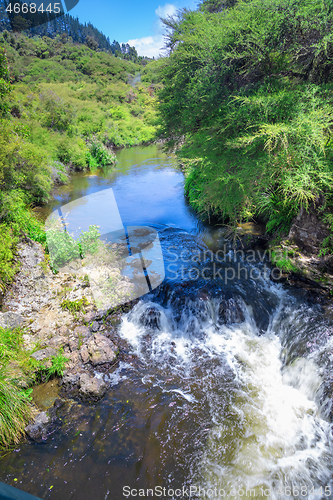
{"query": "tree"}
(4, 82)
(216, 5)
(91, 43)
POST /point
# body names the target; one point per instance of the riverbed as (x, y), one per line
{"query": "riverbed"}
(227, 391)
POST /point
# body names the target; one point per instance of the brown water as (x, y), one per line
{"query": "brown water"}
(224, 385)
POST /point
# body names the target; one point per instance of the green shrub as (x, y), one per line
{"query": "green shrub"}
(18, 370)
(15, 412)
(23, 165)
(75, 306)
(8, 266)
(63, 248)
(14, 211)
(283, 263)
(254, 139)
(57, 367)
(89, 241)
(100, 155)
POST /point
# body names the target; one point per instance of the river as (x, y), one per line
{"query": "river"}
(226, 390)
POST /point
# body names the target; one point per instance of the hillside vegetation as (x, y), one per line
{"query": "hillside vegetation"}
(247, 99)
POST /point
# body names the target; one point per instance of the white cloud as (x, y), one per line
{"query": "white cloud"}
(151, 46)
(164, 11)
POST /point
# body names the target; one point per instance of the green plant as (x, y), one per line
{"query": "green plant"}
(254, 141)
(283, 263)
(8, 266)
(57, 367)
(74, 306)
(326, 247)
(15, 212)
(63, 248)
(100, 155)
(15, 411)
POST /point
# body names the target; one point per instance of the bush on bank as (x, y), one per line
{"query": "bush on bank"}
(247, 97)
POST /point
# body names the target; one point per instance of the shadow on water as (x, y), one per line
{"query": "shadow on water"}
(226, 383)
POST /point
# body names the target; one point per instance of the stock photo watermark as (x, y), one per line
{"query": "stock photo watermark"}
(24, 15)
(225, 265)
(196, 492)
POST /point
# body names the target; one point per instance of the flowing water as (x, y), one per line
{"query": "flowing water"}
(225, 388)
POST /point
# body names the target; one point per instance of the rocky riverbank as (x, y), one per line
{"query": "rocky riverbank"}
(58, 315)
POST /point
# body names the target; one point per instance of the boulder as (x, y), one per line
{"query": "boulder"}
(95, 326)
(98, 350)
(10, 320)
(37, 430)
(92, 386)
(46, 353)
(71, 378)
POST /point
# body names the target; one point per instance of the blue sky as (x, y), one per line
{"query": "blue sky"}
(133, 21)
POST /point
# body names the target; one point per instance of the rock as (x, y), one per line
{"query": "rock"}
(94, 327)
(46, 353)
(58, 342)
(230, 312)
(38, 429)
(89, 317)
(80, 335)
(10, 320)
(308, 231)
(63, 331)
(73, 344)
(82, 332)
(74, 360)
(151, 318)
(98, 350)
(71, 378)
(101, 313)
(92, 387)
(84, 354)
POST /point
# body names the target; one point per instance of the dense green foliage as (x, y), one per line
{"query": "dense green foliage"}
(8, 267)
(64, 91)
(247, 97)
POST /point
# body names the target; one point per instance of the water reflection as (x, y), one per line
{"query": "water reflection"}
(148, 187)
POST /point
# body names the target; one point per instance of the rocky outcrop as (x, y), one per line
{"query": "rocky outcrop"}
(10, 320)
